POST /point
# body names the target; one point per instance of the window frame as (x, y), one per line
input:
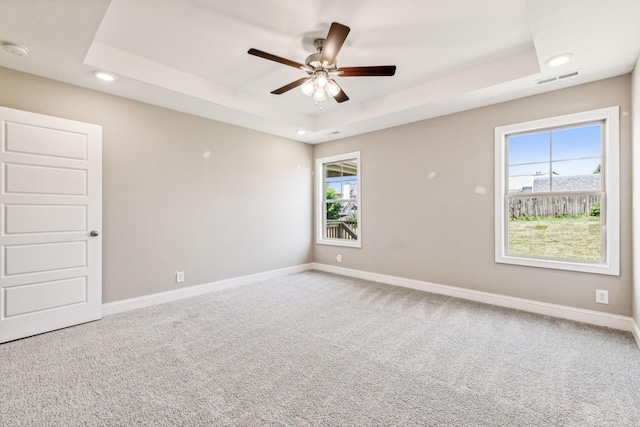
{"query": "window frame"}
(610, 170)
(321, 202)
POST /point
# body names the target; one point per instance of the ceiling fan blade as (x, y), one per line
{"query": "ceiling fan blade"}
(275, 58)
(333, 43)
(341, 96)
(380, 70)
(290, 86)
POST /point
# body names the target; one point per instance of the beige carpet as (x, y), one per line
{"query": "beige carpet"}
(315, 349)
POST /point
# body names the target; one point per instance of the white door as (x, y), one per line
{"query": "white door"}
(51, 201)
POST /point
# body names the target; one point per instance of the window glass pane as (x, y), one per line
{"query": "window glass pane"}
(577, 142)
(529, 148)
(564, 227)
(333, 210)
(522, 178)
(341, 221)
(576, 153)
(341, 180)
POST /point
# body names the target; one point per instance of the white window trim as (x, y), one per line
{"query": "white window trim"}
(320, 185)
(611, 166)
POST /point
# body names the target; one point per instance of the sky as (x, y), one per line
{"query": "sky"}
(572, 151)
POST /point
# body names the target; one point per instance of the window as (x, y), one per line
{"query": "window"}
(557, 193)
(338, 216)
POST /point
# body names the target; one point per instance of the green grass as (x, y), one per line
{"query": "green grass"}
(574, 238)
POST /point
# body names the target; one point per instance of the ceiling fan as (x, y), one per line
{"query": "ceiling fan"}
(321, 67)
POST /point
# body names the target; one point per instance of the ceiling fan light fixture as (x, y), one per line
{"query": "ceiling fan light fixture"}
(308, 87)
(321, 79)
(320, 94)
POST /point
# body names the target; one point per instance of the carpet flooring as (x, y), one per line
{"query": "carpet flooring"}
(314, 349)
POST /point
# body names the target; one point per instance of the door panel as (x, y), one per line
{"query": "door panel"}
(43, 296)
(45, 180)
(44, 219)
(23, 138)
(51, 200)
(51, 256)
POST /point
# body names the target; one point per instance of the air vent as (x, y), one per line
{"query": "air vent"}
(566, 76)
(559, 77)
(548, 80)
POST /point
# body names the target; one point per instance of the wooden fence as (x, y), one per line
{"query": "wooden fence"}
(347, 230)
(552, 206)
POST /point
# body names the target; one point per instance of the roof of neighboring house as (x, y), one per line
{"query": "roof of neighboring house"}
(568, 183)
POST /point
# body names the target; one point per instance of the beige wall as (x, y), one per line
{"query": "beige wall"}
(245, 209)
(439, 230)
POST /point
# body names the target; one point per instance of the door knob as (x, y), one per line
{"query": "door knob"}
(95, 233)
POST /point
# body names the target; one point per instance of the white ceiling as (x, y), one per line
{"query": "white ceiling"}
(191, 55)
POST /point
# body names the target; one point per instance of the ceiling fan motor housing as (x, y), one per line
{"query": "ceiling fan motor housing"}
(313, 60)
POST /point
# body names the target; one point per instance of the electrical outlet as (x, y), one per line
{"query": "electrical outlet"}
(602, 297)
(339, 258)
(179, 276)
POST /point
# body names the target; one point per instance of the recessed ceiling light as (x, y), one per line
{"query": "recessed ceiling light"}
(15, 49)
(558, 60)
(104, 76)
(300, 132)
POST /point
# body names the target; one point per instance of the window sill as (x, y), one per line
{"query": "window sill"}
(582, 267)
(335, 242)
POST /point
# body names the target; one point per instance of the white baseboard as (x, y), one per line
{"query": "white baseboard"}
(177, 294)
(636, 333)
(560, 311)
(555, 310)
